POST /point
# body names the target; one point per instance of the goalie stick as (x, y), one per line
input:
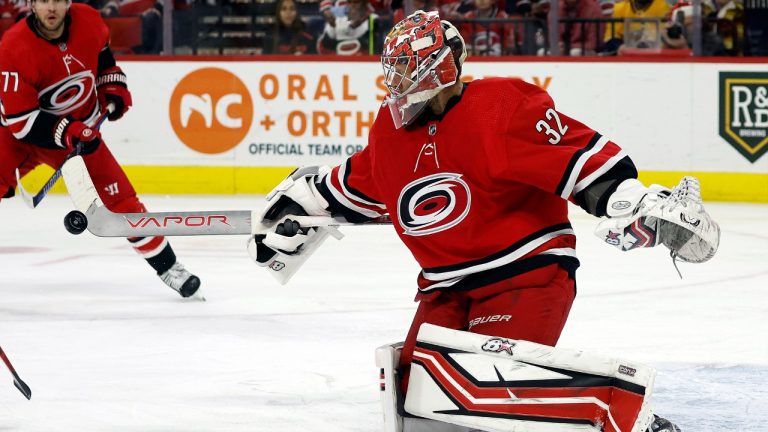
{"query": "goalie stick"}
(101, 222)
(21, 385)
(33, 201)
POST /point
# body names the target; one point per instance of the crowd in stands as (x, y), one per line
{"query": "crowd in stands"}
(357, 27)
(519, 27)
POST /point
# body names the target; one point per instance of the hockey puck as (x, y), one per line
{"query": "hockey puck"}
(75, 222)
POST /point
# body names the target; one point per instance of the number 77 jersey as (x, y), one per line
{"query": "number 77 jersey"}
(478, 194)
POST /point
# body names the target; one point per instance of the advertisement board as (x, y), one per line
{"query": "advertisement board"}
(240, 126)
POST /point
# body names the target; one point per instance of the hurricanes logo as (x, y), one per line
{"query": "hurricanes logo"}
(432, 204)
(498, 345)
(744, 112)
(68, 94)
(211, 110)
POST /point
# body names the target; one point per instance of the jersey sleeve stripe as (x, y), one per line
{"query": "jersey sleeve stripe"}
(344, 172)
(573, 160)
(20, 117)
(581, 157)
(588, 180)
(30, 121)
(508, 255)
(339, 196)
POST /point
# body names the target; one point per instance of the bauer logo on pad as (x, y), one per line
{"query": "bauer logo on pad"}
(744, 112)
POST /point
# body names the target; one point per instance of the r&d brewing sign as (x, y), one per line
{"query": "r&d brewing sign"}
(744, 112)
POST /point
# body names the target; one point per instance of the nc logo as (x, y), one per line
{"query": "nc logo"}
(204, 106)
(211, 110)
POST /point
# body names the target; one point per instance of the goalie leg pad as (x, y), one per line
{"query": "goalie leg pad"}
(387, 359)
(498, 384)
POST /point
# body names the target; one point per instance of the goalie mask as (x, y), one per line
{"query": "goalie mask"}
(422, 55)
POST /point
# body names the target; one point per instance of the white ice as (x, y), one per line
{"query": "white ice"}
(105, 346)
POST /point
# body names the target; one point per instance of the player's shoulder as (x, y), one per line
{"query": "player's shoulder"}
(508, 92)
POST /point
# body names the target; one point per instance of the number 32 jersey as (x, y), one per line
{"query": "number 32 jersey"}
(479, 194)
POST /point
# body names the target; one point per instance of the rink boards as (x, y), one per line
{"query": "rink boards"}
(223, 126)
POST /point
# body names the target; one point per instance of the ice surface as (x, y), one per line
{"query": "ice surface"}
(105, 346)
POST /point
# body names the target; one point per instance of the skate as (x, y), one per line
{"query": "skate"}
(662, 425)
(182, 281)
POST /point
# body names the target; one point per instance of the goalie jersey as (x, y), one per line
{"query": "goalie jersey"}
(479, 193)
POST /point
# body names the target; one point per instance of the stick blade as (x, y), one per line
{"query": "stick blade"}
(23, 388)
(25, 196)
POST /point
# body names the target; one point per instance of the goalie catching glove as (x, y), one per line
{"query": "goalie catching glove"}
(646, 217)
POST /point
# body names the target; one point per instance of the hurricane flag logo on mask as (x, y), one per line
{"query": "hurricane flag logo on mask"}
(432, 204)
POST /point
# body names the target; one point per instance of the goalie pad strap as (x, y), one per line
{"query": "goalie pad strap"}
(499, 384)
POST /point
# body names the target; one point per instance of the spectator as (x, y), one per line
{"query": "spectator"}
(151, 20)
(107, 8)
(347, 28)
(454, 9)
(679, 28)
(484, 38)
(534, 40)
(607, 7)
(642, 31)
(8, 8)
(730, 24)
(580, 38)
(151, 30)
(403, 8)
(289, 36)
(15, 9)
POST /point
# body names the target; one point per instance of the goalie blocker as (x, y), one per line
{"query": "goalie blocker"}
(463, 382)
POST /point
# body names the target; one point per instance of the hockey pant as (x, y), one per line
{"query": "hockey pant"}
(533, 307)
(113, 186)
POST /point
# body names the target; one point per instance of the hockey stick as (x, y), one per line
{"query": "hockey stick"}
(21, 385)
(91, 214)
(33, 201)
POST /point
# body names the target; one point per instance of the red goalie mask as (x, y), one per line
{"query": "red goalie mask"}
(422, 55)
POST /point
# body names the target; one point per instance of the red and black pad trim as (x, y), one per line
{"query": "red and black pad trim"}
(507, 411)
(486, 398)
(576, 380)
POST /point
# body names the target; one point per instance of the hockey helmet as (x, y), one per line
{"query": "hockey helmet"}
(422, 55)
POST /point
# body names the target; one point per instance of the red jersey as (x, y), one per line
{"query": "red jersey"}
(479, 194)
(42, 79)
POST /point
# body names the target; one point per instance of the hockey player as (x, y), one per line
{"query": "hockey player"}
(476, 178)
(57, 75)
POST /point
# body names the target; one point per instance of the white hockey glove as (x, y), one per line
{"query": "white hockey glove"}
(284, 249)
(646, 217)
(296, 195)
(280, 243)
